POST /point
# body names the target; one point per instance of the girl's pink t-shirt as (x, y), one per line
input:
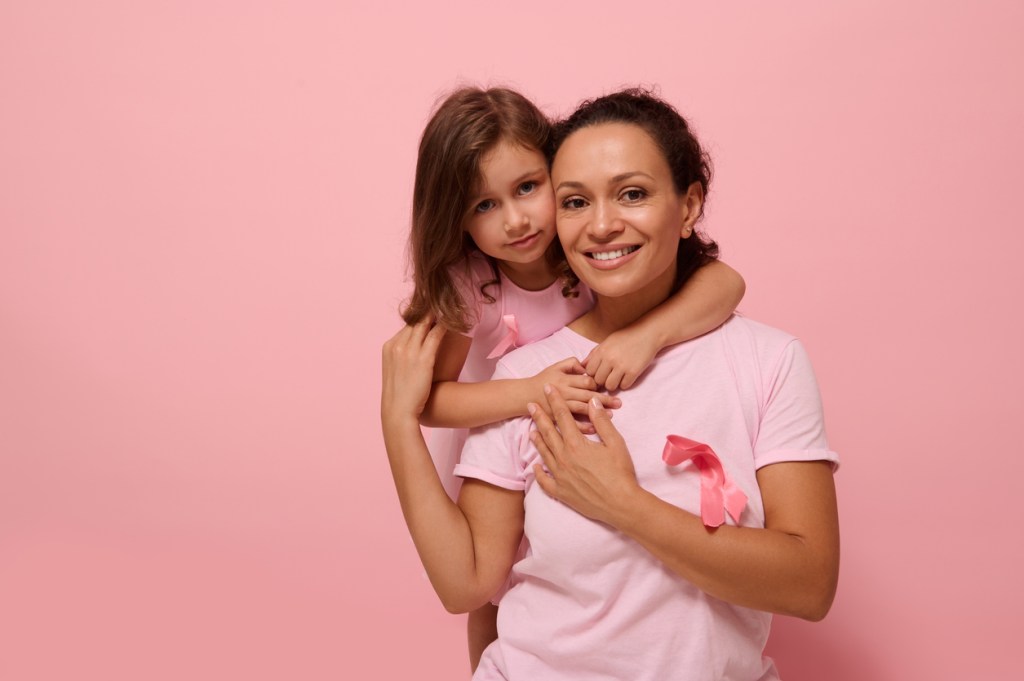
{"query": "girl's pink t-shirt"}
(535, 315)
(586, 602)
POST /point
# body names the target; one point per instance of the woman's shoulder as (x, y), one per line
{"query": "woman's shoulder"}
(530, 359)
(766, 346)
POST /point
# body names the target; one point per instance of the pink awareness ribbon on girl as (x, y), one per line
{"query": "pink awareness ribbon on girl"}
(509, 341)
(718, 493)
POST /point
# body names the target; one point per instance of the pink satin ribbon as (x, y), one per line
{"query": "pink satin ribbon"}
(718, 493)
(509, 341)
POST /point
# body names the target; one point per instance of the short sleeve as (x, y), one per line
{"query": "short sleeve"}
(494, 453)
(792, 426)
(468, 276)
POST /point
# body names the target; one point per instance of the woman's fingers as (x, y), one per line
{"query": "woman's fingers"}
(546, 438)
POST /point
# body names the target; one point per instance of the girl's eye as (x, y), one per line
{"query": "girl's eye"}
(484, 206)
(633, 194)
(573, 203)
(527, 187)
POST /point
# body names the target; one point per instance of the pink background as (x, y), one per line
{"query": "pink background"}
(202, 217)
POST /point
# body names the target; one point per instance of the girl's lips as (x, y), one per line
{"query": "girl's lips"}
(612, 263)
(525, 242)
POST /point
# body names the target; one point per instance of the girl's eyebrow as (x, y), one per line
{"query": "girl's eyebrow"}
(528, 173)
(615, 180)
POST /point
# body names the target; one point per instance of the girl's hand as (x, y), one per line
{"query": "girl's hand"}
(621, 358)
(408, 369)
(595, 479)
(576, 388)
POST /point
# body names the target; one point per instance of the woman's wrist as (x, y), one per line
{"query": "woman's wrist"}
(397, 421)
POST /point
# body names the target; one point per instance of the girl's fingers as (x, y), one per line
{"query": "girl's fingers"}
(628, 380)
(614, 380)
(586, 427)
(561, 414)
(584, 382)
(601, 418)
(578, 406)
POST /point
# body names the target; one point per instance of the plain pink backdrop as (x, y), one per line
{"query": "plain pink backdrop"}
(203, 208)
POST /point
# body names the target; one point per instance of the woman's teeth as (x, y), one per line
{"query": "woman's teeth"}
(611, 255)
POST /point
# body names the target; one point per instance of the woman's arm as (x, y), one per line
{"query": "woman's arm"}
(468, 405)
(791, 566)
(467, 549)
(706, 300)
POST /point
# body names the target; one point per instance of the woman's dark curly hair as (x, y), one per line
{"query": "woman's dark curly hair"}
(688, 162)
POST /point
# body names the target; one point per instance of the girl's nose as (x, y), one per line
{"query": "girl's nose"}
(516, 220)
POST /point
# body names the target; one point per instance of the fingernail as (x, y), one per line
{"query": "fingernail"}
(547, 388)
(532, 408)
(617, 402)
(595, 403)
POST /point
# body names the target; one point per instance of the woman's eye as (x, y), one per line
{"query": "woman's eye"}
(484, 206)
(573, 203)
(633, 194)
(527, 187)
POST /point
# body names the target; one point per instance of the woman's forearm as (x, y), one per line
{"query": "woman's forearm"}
(464, 572)
(438, 527)
(790, 572)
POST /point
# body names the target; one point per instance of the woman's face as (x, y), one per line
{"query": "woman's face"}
(619, 216)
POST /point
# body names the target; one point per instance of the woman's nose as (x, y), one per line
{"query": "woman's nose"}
(606, 221)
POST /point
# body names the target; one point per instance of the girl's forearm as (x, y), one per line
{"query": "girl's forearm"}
(707, 300)
(469, 405)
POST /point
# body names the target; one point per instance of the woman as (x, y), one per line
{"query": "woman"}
(626, 575)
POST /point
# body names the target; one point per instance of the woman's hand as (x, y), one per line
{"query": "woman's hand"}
(573, 384)
(621, 358)
(595, 479)
(408, 369)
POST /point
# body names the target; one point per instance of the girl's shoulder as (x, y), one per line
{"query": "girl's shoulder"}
(477, 283)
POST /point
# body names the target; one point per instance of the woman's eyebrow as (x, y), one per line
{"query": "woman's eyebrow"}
(615, 180)
(625, 176)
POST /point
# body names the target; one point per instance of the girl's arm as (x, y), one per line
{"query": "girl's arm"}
(467, 405)
(706, 300)
(791, 566)
(467, 549)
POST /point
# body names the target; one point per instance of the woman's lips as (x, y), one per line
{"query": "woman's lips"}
(525, 242)
(609, 259)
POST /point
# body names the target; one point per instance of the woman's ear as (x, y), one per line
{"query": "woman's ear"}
(693, 203)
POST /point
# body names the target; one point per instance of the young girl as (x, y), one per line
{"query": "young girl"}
(488, 268)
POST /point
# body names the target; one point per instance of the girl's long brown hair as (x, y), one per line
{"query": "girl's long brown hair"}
(469, 122)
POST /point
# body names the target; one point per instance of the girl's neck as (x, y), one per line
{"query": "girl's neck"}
(532, 276)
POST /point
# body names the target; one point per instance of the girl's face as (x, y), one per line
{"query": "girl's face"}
(619, 215)
(511, 215)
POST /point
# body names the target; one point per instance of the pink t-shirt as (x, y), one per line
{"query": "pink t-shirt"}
(586, 602)
(535, 314)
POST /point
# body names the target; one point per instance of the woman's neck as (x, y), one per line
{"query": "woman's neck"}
(611, 314)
